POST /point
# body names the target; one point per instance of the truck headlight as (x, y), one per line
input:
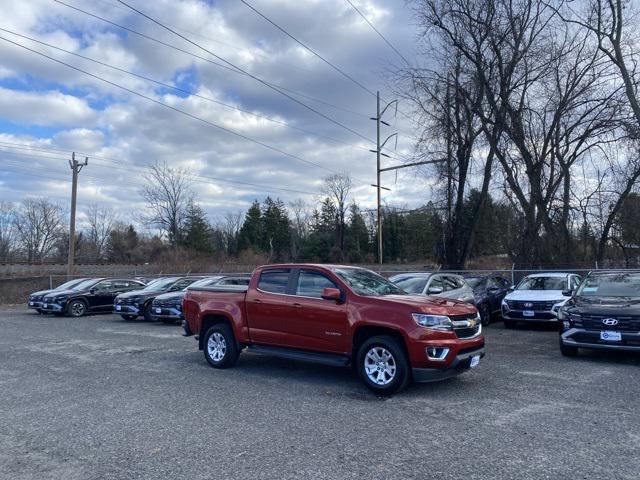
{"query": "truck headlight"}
(440, 322)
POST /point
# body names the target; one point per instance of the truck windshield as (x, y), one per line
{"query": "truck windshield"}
(615, 285)
(367, 283)
(543, 283)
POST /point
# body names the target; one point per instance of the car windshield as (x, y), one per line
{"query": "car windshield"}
(615, 285)
(473, 282)
(203, 282)
(412, 284)
(367, 283)
(543, 283)
(160, 284)
(85, 284)
(70, 284)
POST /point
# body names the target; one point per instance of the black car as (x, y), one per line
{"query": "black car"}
(35, 298)
(488, 290)
(92, 295)
(168, 306)
(603, 313)
(132, 304)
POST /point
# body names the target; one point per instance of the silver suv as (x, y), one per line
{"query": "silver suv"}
(446, 285)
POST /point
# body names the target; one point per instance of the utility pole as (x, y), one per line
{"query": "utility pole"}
(379, 153)
(75, 169)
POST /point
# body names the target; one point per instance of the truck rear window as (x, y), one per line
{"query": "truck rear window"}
(274, 281)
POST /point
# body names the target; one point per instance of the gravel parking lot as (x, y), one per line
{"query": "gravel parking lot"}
(101, 398)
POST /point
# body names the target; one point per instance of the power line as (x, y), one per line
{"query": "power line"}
(208, 60)
(258, 79)
(190, 115)
(182, 90)
(237, 70)
(379, 33)
(337, 69)
(118, 165)
(315, 53)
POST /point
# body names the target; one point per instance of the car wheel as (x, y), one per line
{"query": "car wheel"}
(220, 347)
(485, 314)
(147, 312)
(129, 317)
(77, 308)
(567, 350)
(168, 321)
(382, 365)
(510, 323)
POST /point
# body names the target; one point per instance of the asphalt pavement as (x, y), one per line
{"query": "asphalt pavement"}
(102, 398)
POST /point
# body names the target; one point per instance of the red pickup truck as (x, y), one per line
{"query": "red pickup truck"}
(336, 315)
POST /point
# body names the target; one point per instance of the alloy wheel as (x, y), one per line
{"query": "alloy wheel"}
(216, 347)
(77, 309)
(380, 366)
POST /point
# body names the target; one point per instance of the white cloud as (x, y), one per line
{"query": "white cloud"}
(48, 108)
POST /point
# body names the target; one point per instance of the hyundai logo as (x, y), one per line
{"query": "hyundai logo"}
(528, 305)
(610, 322)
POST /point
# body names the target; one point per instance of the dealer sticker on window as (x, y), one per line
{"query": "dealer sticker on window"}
(611, 336)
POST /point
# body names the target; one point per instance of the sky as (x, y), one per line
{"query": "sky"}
(240, 139)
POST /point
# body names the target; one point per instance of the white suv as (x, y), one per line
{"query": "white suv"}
(538, 298)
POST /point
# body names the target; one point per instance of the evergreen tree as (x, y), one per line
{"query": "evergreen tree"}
(196, 231)
(357, 236)
(275, 228)
(250, 235)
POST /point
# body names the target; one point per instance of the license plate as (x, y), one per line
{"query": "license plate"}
(31, 304)
(610, 336)
(528, 313)
(475, 360)
(45, 305)
(118, 307)
(158, 310)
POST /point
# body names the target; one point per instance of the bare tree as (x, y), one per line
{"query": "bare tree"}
(7, 230)
(38, 224)
(300, 218)
(546, 102)
(230, 226)
(167, 193)
(337, 188)
(101, 221)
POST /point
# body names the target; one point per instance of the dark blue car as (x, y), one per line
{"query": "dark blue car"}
(488, 290)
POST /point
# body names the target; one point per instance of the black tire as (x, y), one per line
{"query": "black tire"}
(375, 347)
(510, 323)
(485, 314)
(567, 350)
(76, 308)
(169, 321)
(129, 317)
(147, 312)
(221, 335)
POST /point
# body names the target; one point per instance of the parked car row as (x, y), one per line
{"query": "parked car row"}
(412, 327)
(159, 299)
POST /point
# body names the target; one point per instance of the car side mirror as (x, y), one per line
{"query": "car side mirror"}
(92, 291)
(567, 293)
(493, 289)
(435, 290)
(332, 294)
(511, 288)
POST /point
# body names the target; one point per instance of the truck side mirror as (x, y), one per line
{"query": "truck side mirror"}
(332, 294)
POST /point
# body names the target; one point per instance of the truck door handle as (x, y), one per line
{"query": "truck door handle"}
(257, 300)
(296, 305)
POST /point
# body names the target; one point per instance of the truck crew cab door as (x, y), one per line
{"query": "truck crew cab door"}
(267, 305)
(313, 323)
